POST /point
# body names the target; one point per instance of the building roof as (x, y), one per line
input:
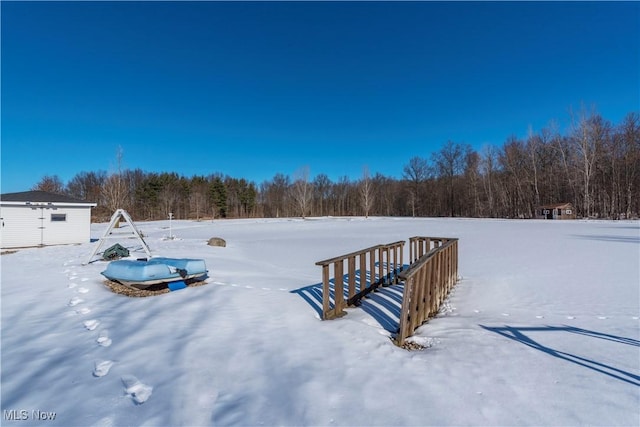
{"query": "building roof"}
(556, 206)
(40, 197)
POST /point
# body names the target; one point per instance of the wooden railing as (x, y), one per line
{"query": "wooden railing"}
(418, 246)
(361, 277)
(428, 281)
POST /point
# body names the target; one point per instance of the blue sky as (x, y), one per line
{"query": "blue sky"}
(251, 89)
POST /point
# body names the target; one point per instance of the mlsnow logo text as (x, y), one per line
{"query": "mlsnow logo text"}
(23, 415)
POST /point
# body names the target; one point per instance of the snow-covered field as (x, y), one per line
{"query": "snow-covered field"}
(542, 329)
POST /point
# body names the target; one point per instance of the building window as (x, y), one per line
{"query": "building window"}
(58, 217)
(568, 211)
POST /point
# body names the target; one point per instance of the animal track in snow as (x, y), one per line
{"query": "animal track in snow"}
(102, 368)
(103, 339)
(72, 285)
(84, 279)
(570, 317)
(138, 391)
(75, 301)
(91, 324)
(506, 314)
(83, 310)
(83, 290)
(602, 317)
(539, 317)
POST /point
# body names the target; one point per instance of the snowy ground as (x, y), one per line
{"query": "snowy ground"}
(542, 329)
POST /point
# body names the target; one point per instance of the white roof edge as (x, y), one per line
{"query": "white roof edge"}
(46, 204)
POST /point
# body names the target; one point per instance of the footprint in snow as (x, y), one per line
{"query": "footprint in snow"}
(72, 285)
(83, 290)
(84, 279)
(635, 317)
(91, 324)
(103, 339)
(506, 314)
(570, 317)
(602, 317)
(83, 310)
(75, 301)
(102, 368)
(138, 391)
(476, 311)
(539, 317)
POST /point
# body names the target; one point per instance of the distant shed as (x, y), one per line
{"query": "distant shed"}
(39, 218)
(556, 211)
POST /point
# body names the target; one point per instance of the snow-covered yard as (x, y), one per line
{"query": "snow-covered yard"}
(542, 329)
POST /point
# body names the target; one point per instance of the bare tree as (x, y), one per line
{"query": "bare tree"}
(302, 191)
(533, 147)
(321, 187)
(50, 184)
(487, 168)
(584, 142)
(629, 133)
(114, 189)
(416, 172)
(472, 176)
(198, 195)
(275, 196)
(449, 163)
(366, 192)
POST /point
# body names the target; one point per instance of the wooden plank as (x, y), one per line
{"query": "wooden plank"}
(387, 265)
(419, 299)
(352, 276)
(343, 257)
(434, 287)
(428, 282)
(380, 265)
(363, 271)
(372, 267)
(394, 266)
(325, 292)
(403, 330)
(412, 243)
(440, 278)
(339, 286)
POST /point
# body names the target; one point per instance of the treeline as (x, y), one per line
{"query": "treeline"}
(595, 166)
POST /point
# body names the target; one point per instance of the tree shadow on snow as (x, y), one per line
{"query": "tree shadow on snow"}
(518, 334)
(383, 304)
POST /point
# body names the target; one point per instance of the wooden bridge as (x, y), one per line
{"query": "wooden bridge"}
(427, 279)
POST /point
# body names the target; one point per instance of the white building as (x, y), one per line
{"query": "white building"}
(38, 218)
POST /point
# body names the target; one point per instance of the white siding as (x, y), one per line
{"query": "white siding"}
(20, 226)
(24, 226)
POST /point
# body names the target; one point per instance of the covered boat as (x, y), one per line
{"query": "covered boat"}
(146, 272)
